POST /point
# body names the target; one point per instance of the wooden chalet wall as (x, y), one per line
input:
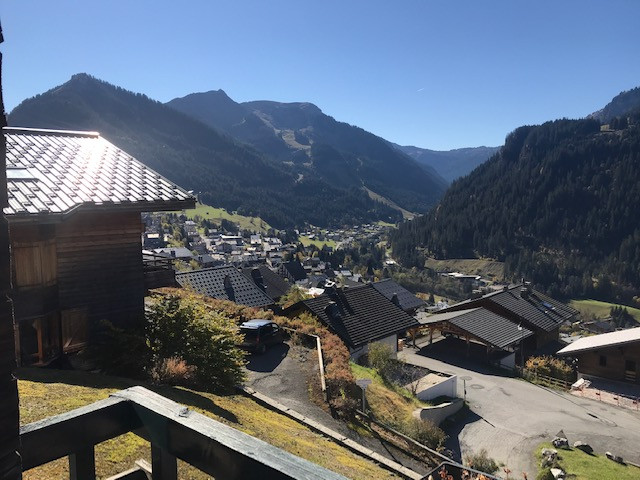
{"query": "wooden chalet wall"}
(99, 261)
(10, 466)
(616, 360)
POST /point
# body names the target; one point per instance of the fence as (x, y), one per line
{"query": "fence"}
(536, 377)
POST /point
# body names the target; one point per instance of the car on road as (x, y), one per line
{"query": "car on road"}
(259, 334)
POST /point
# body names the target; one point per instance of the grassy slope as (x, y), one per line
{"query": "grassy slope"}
(471, 266)
(601, 309)
(591, 467)
(217, 214)
(49, 392)
(306, 241)
(393, 404)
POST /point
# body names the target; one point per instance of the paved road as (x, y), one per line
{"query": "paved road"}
(510, 417)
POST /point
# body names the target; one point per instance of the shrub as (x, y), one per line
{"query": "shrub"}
(425, 432)
(172, 371)
(185, 327)
(481, 461)
(380, 357)
(550, 366)
(545, 474)
(119, 351)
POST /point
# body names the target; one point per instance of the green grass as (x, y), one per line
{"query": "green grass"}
(582, 466)
(217, 214)
(490, 269)
(306, 241)
(385, 224)
(44, 393)
(601, 309)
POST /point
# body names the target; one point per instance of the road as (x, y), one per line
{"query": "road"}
(510, 417)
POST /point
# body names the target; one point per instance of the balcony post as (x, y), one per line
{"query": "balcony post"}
(164, 466)
(82, 465)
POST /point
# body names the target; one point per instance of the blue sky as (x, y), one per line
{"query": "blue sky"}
(436, 74)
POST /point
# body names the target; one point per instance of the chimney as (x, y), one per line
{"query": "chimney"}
(258, 279)
(394, 299)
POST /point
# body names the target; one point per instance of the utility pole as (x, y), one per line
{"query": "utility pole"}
(10, 463)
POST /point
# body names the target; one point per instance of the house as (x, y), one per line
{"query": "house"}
(359, 316)
(526, 307)
(74, 209)
(501, 337)
(268, 281)
(293, 271)
(399, 295)
(178, 253)
(613, 356)
(225, 283)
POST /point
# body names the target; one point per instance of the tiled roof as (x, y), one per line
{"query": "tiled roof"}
(359, 315)
(528, 304)
(224, 283)
(56, 172)
(275, 285)
(406, 299)
(483, 324)
(602, 341)
(296, 270)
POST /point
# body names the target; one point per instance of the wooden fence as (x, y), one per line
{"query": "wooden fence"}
(536, 377)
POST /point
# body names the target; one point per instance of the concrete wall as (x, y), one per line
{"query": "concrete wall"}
(439, 413)
(448, 387)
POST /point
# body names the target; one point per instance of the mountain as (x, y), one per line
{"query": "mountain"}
(449, 164)
(228, 174)
(559, 203)
(621, 105)
(313, 144)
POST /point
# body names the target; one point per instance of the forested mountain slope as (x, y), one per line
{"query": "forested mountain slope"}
(313, 144)
(228, 174)
(560, 202)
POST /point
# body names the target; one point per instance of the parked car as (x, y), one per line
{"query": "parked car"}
(260, 334)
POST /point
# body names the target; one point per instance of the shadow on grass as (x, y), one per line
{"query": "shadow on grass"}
(180, 395)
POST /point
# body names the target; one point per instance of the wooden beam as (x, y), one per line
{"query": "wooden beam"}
(74, 431)
(164, 466)
(82, 464)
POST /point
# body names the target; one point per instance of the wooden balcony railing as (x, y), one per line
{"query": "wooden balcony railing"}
(174, 431)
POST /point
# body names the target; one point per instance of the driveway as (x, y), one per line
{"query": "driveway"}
(510, 417)
(282, 373)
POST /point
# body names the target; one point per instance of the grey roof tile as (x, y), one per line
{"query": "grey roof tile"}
(70, 170)
(406, 299)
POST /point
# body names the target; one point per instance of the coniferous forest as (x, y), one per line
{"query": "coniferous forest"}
(559, 203)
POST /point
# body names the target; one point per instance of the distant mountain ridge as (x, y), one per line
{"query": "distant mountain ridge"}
(226, 173)
(450, 164)
(558, 203)
(622, 104)
(312, 143)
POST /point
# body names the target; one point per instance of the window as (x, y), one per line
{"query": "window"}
(603, 361)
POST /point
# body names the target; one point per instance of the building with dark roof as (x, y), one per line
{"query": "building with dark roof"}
(225, 283)
(526, 307)
(613, 356)
(480, 325)
(268, 281)
(399, 295)
(74, 208)
(293, 271)
(359, 316)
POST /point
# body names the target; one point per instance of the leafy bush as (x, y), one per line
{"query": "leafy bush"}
(550, 366)
(380, 357)
(425, 432)
(119, 351)
(185, 327)
(481, 461)
(294, 295)
(172, 371)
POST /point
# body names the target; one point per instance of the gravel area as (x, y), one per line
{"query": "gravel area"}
(283, 373)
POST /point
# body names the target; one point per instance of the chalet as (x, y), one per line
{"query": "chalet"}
(359, 316)
(268, 281)
(225, 283)
(613, 356)
(399, 295)
(527, 308)
(293, 271)
(74, 211)
(501, 337)
(179, 253)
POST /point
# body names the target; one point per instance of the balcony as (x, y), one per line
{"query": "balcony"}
(158, 271)
(174, 432)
